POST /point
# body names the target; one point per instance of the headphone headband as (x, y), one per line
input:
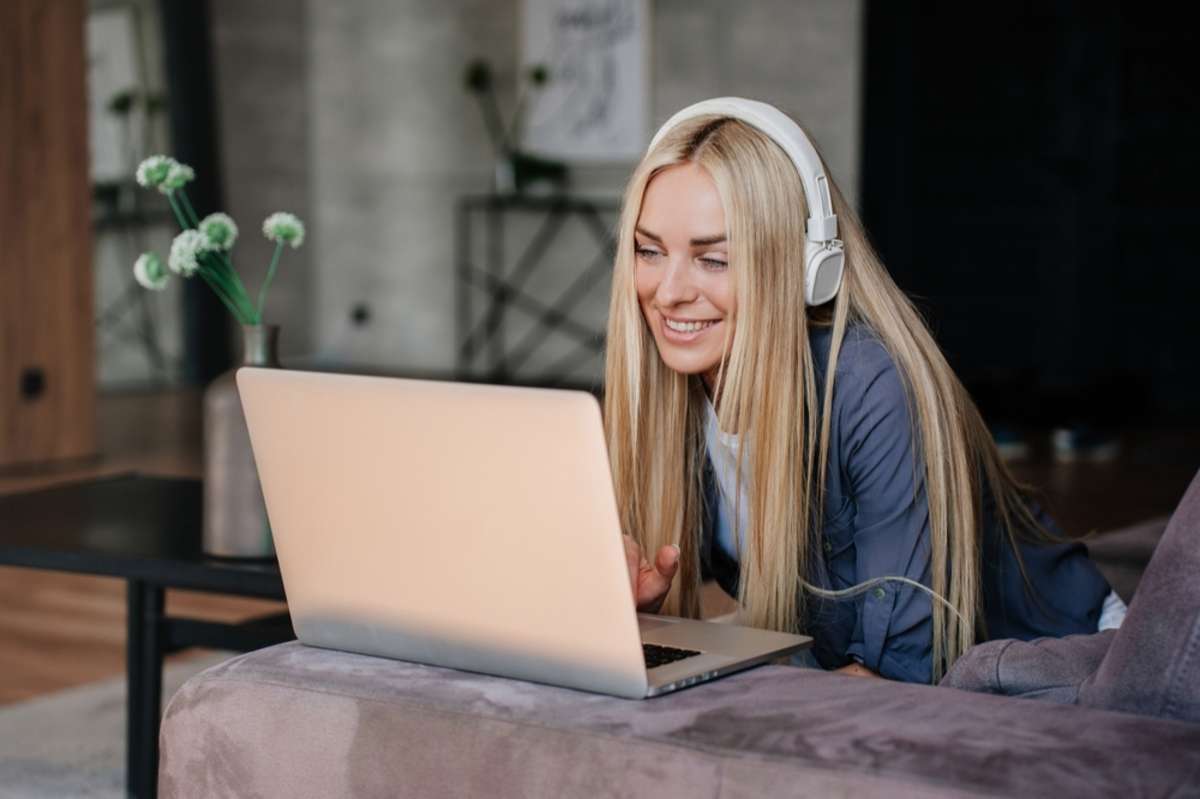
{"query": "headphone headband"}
(824, 257)
(822, 222)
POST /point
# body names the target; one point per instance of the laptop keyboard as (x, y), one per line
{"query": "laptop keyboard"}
(656, 655)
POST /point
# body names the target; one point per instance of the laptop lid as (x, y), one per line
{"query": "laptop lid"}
(460, 525)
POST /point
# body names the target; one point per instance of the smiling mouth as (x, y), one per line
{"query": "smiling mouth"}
(689, 327)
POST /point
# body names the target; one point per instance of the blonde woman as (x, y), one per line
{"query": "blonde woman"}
(868, 509)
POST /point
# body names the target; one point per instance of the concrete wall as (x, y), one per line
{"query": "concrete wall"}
(261, 73)
(388, 139)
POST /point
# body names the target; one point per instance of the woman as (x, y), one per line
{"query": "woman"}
(735, 455)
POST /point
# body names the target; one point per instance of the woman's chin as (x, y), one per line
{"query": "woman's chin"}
(688, 365)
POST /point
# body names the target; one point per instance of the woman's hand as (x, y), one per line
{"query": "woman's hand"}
(856, 670)
(650, 584)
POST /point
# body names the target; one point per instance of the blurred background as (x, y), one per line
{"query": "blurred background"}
(1027, 171)
(1024, 171)
(357, 118)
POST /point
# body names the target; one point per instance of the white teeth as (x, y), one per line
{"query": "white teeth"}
(688, 327)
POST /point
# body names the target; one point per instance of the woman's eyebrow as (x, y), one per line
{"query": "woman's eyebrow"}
(703, 241)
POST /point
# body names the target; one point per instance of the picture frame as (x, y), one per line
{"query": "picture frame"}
(595, 106)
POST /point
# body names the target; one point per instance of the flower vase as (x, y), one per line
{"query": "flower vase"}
(504, 176)
(235, 516)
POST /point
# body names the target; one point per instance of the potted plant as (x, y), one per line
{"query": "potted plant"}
(235, 522)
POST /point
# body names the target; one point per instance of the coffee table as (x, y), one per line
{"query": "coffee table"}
(145, 530)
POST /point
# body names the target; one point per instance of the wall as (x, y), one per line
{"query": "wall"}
(1062, 183)
(393, 140)
(261, 73)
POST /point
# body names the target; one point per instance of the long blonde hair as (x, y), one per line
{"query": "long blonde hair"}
(654, 417)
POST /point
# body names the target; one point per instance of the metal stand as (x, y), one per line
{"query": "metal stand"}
(482, 347)
(143, 665)
(152, 635)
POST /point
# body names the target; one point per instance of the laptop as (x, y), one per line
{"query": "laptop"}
(467, 526)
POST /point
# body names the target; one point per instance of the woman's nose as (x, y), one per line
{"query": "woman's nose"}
(676, 286)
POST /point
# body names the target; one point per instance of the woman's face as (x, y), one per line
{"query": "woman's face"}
(681, 260)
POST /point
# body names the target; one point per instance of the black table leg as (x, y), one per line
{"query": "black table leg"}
(144, 662)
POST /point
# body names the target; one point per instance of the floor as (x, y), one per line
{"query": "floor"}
(58, 631)
(1148, 478)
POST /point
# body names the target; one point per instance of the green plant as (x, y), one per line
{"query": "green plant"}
(203, 246)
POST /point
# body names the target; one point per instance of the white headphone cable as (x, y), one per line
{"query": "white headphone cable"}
(861, 588)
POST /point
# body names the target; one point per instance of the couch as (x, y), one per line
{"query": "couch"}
(1123, 720)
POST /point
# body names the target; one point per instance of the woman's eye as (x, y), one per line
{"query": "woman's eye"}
(644, 252)
(714, 263)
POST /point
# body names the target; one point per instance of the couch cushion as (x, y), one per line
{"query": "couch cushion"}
(295, 721)
(1153, 664)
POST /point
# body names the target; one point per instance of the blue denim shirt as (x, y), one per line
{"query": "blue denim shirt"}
(877, 523)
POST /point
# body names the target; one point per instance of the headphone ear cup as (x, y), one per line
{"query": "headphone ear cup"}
(823, 273)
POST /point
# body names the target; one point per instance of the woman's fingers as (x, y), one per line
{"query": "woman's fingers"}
(654, 582)
(650, 583)
(633, 561)
(667, 562)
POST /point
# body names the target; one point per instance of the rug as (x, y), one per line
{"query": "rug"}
(72, 743)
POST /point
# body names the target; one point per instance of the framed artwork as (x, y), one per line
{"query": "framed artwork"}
(595, 105)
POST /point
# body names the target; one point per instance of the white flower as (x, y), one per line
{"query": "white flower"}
(149, 271)
(220, 230)
(178, 176)
(186, 250)
(284, 228)
(153, 171)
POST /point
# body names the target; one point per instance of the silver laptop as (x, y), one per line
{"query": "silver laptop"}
(466, 526)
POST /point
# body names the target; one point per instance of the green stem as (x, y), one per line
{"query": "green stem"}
(233, 290)
(216, 287)
(187, 206)
(237, 279)
(222, 289)
(183, 225)
(238, 296)
(232, 273)
(230, 292)
(220, 267)
(262, 292)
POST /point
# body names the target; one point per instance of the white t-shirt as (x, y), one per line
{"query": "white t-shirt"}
(722, 451)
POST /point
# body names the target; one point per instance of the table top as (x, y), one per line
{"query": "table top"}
(130, 526)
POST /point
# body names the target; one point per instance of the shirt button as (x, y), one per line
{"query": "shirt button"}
(828, 546)
(879, 593)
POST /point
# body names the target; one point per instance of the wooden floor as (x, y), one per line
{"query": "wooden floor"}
(59, 630)
(1154, 468)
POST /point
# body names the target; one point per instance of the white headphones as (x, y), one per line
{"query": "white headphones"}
(823, 253)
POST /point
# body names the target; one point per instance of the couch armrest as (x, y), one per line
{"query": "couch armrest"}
(296, 721)
(1051, 669)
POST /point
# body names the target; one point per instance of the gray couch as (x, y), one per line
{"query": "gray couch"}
(1150, 666)
(294, 721)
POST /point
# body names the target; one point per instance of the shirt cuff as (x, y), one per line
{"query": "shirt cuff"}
(1112, 613)
(876, 619)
